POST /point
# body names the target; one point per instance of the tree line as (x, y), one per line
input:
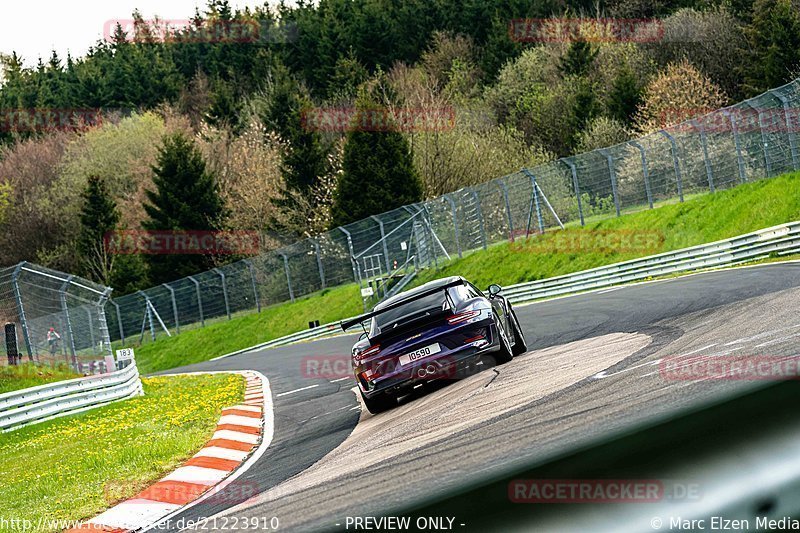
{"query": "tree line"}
(207, 129)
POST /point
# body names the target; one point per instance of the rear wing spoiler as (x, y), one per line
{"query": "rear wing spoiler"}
(347, 324)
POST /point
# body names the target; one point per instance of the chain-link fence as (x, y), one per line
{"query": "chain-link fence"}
(58, 318)
(751, 140)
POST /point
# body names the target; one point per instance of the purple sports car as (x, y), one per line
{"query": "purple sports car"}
(439, 330)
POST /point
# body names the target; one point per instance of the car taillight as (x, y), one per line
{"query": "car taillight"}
(475, 338)
(463, 317)
(372, 350)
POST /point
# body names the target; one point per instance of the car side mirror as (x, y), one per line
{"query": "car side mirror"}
(494, 290)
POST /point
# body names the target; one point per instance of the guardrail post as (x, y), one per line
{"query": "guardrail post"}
(737, 143)
(613, 175)
(62, 293)
(787, 118)
(455, 222)
(645, 172)
(199, 300)
(576, 185)
(21, 310)
(224, 291)
(504, 188)
(288, 277)
(479, 208)
(675, 161)
(704, 143)
(174, 307)
(385, 246)
(119, 321)
(534, 203)
(356, 277)
(318, 254)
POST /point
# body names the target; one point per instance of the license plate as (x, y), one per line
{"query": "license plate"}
(416, 355)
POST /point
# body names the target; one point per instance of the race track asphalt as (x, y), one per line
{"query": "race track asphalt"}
(592, 369)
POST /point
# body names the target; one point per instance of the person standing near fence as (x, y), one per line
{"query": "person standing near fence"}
(52, 340)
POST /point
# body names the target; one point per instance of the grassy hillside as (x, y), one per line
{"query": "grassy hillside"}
(702, 219)
(699, 220)
(224, 337)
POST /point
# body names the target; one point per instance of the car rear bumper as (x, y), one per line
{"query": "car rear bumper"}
(447, 365)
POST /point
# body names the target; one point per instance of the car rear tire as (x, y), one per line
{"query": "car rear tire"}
(380, 403)
(504, 354)
(520, 346)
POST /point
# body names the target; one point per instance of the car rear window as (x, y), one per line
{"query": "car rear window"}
(432, 302)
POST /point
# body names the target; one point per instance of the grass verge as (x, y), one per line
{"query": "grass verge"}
(28, 375)
(701, 219)
(228, 336)
(75, 467)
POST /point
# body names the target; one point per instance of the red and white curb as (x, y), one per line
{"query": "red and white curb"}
(242, 435)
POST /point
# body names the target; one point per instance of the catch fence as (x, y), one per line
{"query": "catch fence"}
(751, 140)
(56, 318)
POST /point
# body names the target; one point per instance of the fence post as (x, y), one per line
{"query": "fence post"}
(576, 185)
(613, 175)
(356, 277)
(252, 270)
(675, 161)
(704, 143)
(767, 165)
(148, 316)
(119, 321)
(478, 205)
(504, 188)
(105, 341)
(455, 222)
(737, 143)
(224, 291)
(174, 307)
(199, 300)
(318, 253)
(385, 246)
(786, 116)
(21, 310)
(645, 172)
(536, 204)
(288, 277)
(91, 327)
(62, 293)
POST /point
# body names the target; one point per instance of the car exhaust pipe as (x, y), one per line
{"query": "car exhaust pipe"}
(426, 370)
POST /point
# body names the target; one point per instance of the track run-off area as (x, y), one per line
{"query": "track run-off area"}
(592, 369)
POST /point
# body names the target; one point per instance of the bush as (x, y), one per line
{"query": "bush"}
(677, 93)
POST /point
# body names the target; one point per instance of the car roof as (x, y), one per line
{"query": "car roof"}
(411, 293)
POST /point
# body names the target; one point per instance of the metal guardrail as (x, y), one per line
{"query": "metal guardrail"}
(783, 239)
(37, 404)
